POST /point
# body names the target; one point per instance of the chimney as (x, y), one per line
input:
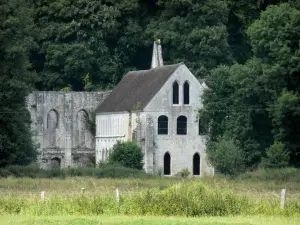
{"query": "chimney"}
(157, 59)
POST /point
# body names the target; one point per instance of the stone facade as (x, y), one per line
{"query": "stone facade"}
(59, 128)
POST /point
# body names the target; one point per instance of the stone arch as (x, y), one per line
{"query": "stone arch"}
(167, 164)
(196, 164)
(175, 92)
(186, 93)
(55, 163)
(81, 129)
(52, 125)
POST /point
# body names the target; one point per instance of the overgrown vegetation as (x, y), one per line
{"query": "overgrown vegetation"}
(111, 171)
(182, 199)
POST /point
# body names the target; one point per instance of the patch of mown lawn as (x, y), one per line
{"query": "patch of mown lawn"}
(131, 220)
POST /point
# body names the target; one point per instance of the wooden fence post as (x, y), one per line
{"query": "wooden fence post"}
(43, 195)
(282, 198)
(118, 199)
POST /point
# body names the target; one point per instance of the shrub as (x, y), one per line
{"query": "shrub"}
(127, 154)
(226, 157)
(277, 156)
(183, 173)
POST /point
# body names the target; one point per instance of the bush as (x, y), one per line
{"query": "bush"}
(183, 173)
(226, 157)
(277, 156)
(127, 154)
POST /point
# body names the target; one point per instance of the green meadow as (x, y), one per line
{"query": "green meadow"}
(252, 198)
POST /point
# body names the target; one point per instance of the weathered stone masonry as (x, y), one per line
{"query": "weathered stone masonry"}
(59, 129)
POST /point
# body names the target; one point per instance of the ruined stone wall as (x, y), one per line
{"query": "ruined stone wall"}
(59, 128)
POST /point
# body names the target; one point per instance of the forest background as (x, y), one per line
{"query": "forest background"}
(247, 51)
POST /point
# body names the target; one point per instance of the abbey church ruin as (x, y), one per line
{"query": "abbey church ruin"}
(166, 127)
(59, 129)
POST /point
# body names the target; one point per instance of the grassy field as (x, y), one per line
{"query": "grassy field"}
(124, 220)
(149, 201)
(70, 186)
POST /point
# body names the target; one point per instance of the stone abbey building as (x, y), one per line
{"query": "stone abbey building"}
(156, 108)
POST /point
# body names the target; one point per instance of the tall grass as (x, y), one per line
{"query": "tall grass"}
(279, 175)
(183, 199)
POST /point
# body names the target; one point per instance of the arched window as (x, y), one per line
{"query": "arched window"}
(175, 93)
(52, 125)
(167, 164)
(186, 93)
(182, 125)
(82, 133)
(162, 125)
(196, 164)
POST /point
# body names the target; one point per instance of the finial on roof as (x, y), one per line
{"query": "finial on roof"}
(157, 59)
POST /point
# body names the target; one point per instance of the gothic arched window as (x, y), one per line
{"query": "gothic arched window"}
(186, 93)
(175, 93)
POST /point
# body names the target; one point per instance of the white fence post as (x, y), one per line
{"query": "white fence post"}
(282, 198)
(118, 199)
(43, 195)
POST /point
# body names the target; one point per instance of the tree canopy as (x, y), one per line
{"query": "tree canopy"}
(16, 27)
(257, 103)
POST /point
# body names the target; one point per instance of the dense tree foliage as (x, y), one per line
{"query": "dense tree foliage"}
(257, 103)
(101, 40)
(16, 27)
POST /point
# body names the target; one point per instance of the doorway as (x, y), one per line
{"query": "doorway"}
(167, 164)
(55, 163)
(196, 164)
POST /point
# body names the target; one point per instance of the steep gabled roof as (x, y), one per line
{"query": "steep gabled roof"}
(136, 87)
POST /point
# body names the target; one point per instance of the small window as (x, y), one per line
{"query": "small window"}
(162, 125)
(186, 93)
(182, 125)
(175, 93)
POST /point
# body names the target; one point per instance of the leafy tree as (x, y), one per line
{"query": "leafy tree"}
(16, 28)
(245, 102)
(127, 154)
(193, 32)
(285, 114)
(277, 156)
(226, 156)
(76, 38)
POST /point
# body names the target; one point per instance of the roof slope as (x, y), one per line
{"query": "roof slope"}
(136, 87)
